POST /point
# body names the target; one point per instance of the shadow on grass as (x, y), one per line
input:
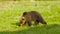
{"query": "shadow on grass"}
(45, 29)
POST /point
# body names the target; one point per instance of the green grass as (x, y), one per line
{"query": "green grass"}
(50, 10)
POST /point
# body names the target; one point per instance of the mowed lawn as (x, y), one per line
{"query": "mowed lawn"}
(9, 17)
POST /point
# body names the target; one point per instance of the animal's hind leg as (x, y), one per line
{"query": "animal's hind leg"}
(36, 22)
(43, 22)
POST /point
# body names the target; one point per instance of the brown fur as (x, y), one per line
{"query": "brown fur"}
(28, 17)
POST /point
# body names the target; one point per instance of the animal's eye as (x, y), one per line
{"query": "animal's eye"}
(22, 19)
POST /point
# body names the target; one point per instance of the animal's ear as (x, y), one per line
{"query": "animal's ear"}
(24, 13)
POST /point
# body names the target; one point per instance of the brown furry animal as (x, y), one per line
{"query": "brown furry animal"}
(28, 17)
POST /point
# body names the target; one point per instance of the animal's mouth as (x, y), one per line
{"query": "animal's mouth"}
(21, 24)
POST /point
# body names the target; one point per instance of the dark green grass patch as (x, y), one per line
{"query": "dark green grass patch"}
(48, 29)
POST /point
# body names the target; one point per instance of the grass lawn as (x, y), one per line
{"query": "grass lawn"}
(9, 18)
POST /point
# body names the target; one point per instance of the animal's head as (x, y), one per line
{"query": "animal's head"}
(22, 21)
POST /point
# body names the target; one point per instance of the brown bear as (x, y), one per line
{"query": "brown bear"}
(28, 17)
